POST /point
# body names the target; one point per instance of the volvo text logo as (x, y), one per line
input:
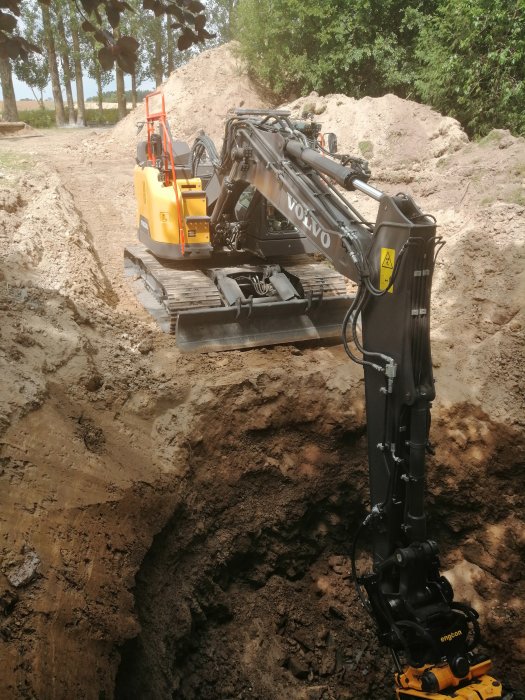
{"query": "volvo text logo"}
(298, 210)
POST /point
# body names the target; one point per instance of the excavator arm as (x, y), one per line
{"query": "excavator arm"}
(432, 637)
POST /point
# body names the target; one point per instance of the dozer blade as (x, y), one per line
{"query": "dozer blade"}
(231, 328)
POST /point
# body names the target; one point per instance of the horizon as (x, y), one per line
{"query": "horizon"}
(24, 92)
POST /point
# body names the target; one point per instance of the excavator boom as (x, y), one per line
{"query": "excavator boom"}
(274, 192)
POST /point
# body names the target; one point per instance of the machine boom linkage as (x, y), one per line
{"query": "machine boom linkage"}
(432, 637)
(275, 191)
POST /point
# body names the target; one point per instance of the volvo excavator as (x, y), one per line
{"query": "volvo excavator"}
(226, 246)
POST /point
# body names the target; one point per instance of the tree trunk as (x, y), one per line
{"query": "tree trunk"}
(121, 94)
(170, 62)
(231, 7)
(60, 116)
(133, 89)
(77, 62)
(40, 99)
(66, 69)
(100, 96)
(158, 68)
(10, 111)
(121, 88)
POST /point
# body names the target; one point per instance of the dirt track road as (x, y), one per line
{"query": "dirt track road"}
(102, 189)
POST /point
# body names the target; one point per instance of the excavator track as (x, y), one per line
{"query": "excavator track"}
(315, 277)
(166, 288)
(183, 299)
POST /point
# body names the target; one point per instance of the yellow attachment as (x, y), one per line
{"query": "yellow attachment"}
(474, 686)
(156, 203)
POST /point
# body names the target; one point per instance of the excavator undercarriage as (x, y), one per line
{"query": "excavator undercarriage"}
(241, 302)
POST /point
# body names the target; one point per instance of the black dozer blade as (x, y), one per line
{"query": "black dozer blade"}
(248, 326)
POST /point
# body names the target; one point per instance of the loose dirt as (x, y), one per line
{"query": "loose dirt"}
(178, 526)
(198, 96)
(9, 130)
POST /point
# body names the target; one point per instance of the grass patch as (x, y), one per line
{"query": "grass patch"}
(516, 196)
(14, 162)
(45, 118)
(443, 163)
(519, 170)
(493, 136)
(366, 148)
(310, 108)
(12, 167)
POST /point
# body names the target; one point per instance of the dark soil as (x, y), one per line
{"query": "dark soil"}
(246, 593)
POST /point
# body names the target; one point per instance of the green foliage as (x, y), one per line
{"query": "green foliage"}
(472, 55)
(111, 95)
(464, 57)
(107, 117)
(34, 71)
(361, 48)
(37, 118)
(45, 118)
(366, 148)
(220, 15)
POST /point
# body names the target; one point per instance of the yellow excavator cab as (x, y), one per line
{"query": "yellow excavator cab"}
(157, 217)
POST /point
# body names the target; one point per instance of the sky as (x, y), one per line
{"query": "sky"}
(90, 88)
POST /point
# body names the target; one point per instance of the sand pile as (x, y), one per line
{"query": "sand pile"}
(477, 193)
(42, 235)
(198, 96)
(391, 133)
(16, 130)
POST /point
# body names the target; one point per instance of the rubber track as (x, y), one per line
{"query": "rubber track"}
(178, 287)
(315, 277)
(175, 287)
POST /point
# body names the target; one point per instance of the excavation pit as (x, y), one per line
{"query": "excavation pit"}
(246, 592)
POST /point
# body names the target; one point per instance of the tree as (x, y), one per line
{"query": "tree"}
(362, 48)
(77, 63)
(121, 91)
(10, 111)
(63, 44)
(133, 24)
(472, 55)
(95, 71)
(98, 15)
(221, 15)
(34, 72)
(157, 36)
(60, 115)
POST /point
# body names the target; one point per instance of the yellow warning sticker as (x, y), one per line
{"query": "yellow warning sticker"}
(388, 257)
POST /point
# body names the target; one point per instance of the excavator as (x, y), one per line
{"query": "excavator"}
(229, 257)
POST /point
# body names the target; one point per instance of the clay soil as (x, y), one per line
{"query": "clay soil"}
(178, 526)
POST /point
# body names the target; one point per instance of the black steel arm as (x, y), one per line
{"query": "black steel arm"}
(392, 261)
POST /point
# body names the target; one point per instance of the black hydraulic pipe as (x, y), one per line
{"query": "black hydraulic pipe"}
(342, 175)
(415, 513)
(346, 177)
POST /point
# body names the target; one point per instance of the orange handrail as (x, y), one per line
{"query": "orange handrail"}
(151, 118)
